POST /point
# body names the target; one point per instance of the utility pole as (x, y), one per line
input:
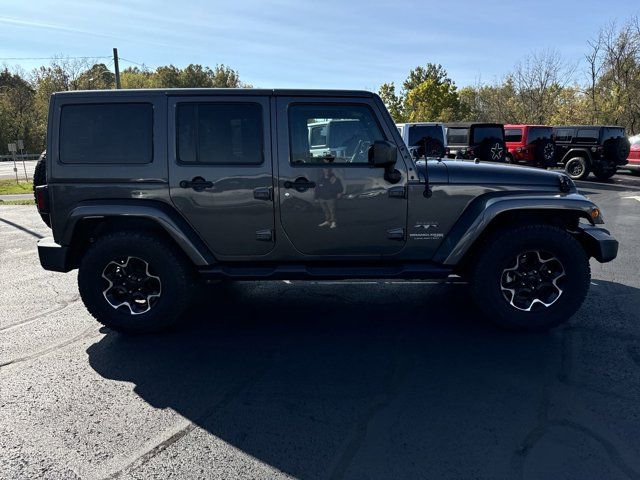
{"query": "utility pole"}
(117, 67)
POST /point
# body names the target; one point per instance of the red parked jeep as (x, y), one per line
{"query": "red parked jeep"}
(530, 144)
(634, 155)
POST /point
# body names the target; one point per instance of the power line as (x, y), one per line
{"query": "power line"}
(52, 58)
(131, 61)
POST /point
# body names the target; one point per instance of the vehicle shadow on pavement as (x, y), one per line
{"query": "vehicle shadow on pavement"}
(365, 380)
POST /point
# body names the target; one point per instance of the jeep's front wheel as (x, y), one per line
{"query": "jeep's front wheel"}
(577, 168)
(134, 282)
(531, 278)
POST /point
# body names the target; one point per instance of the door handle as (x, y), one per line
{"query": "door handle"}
(397, 192)
(262, 193)
(300, 184)
(197, 183)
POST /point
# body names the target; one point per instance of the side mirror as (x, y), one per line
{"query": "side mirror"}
(382, 154)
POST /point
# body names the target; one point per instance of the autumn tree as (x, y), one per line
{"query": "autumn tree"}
(428, 94)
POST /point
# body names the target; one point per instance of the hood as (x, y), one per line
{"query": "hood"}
(469, 172)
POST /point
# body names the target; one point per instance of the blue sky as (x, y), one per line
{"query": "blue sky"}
(320, 43)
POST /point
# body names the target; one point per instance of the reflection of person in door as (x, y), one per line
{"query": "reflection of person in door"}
(328, 190)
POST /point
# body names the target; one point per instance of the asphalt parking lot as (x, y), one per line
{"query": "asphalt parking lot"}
(320, 379)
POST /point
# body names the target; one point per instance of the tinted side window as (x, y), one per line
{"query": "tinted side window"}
(220, 133)
(513, 135)
(564, 135)
(587, 135)
(482, 133)
(350, 130)
(539, 133)
(106, 133)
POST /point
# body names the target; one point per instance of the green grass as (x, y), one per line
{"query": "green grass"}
(8, 187)
(17, 202)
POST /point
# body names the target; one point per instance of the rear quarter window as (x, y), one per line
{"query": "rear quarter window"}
(106, 133)
(563, 135)
(587, 135)
(539, 133)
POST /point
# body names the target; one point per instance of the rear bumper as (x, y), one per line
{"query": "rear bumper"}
(599, 243)
(54, 257)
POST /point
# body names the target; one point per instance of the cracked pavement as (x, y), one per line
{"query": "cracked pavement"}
(320, 379)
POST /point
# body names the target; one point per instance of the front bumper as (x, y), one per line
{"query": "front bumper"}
(54, 257)
(599, 243)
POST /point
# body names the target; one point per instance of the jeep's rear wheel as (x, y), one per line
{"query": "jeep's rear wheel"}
(531, 278)
(577, 168)
(134, 282)
(604, 173)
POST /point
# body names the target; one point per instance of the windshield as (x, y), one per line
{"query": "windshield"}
(482, 133)
(513, 135)
(539, 133)
(608, 133)
(635, 140)
(418, 132)
(457, 136)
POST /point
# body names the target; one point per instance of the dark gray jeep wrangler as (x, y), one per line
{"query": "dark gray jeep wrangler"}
(150, 191)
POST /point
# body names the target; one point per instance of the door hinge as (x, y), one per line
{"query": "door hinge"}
(262, 193)
(264, 235)
(398, 192)
(395, 234)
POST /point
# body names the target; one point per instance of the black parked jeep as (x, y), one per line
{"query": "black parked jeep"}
(484, 141)
(151, 191)
(585, 149)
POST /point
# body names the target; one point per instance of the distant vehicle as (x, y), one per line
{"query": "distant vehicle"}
(484, 141)
(424, 139)
(634, 155)
(582, 149)
(338, 138)
(531, 145)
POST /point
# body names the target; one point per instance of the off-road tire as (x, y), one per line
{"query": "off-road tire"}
(485, 151)
(164, 260)
(497, 253)
(544, 154)
(617, 150)
(575, 173)
(604, 173)
(40, 178)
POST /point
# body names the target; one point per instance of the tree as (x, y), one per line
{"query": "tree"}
(428, 94)
(431, 100)
(538, 81)
(97, 77)
(392, 101)
(614, 67)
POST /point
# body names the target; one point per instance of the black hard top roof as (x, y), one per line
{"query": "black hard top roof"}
(470, 124)
(216, 91)
(587, 126)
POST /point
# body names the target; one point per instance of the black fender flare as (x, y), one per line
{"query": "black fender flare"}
(479, 215)
(577, 152)
(161, 214)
